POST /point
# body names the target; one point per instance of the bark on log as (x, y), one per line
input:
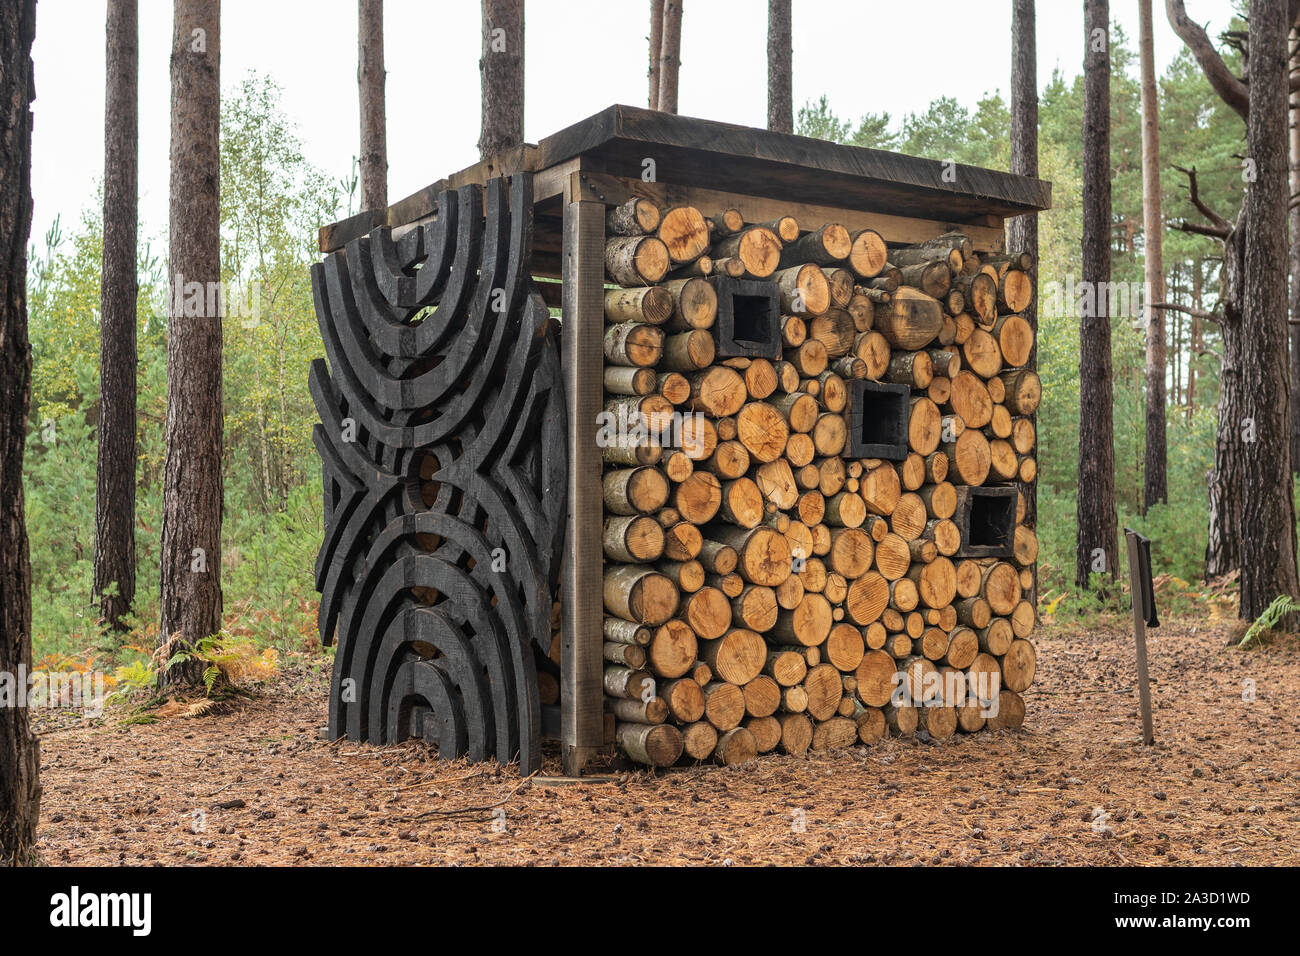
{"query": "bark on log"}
(640, 594)
(694, 305)
(629, 380)
(635, 260)
(652, 711)
(804, 290)
(631, 491)
(626, 632)
(636, 539)
(651, 305)
(633, 343)
(736, 746)
(688, 351)
(758, 250)
(658, 745)
(825, 245)
(635, 217)
(911, 320)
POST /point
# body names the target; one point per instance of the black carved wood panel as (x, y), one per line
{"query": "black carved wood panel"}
(442, 442)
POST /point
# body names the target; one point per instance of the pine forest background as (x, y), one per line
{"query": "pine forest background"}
(273, 199)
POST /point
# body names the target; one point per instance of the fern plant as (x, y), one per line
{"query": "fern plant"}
(132, 679)
(229, 659)
(1282, 605)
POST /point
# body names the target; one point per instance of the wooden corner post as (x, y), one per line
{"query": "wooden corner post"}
(582, 356)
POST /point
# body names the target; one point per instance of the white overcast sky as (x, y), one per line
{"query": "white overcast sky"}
(581, 56)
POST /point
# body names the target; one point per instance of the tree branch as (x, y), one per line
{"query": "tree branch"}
(1221, 225)
(1175, 307)
(1237, 39)
(1232, 89)
(1196, 228)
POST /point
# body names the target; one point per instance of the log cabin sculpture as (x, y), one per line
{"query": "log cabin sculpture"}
(825, 343)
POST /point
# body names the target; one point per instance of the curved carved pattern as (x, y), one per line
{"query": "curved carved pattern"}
(442, 444)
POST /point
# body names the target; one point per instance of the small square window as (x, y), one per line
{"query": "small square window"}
(877, 420)
(986, 518)
(749, 318)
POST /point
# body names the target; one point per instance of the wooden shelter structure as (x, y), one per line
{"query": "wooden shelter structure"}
(463, 480)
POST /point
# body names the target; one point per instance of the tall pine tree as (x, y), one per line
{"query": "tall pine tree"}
(115, 485)
(193, 487)
(370, 89)
(501, 76)
(1095, 549)
(20, 787)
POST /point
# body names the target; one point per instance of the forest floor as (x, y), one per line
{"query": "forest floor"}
(257, 784)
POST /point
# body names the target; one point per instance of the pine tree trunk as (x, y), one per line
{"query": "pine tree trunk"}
(501, 73)
(1096, 546)
(1176, 346)
(656, 44)
(1294, 148)
(1195, 355)
(670, 55)
(1022, 231)
(20, 788)
(115, 481)
(780, 93)
(1156, 483)
(192, 481)
(1226, 480)
(370, 83)
(1268, 532)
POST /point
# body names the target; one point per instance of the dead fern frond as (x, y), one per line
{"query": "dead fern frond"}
(199, 708)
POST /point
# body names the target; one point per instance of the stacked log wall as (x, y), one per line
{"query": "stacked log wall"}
(811, 446)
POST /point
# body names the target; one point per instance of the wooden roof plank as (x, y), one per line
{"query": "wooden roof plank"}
(723, 156)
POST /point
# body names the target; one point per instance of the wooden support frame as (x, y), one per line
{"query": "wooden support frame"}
(582, 665)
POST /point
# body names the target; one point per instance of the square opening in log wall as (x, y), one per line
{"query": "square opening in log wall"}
(986, 518)
(749, 318)
(877, 419)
